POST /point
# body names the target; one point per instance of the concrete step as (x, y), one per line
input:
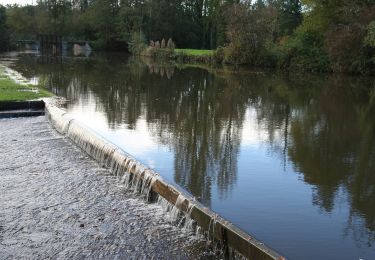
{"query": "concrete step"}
(21, 113)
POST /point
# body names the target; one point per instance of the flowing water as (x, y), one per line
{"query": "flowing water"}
(288, 158)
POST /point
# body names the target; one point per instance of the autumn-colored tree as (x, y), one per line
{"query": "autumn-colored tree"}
(249, 27)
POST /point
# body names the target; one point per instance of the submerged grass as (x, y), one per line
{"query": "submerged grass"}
(13, 91)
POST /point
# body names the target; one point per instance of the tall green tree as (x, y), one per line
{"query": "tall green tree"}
(4, 32)
(289, 16)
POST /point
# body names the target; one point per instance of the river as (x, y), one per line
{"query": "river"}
(289, 158)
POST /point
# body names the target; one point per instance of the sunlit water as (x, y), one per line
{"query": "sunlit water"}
(289, 159)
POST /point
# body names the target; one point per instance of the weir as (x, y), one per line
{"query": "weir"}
(182, 208)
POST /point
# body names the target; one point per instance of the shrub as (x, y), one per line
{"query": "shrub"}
(219, 55)
(370, 43)
(162, 45)
(370, 37)
(157, 44)
(305, 52)
(170, 44)
(163, 53)
(137, 43)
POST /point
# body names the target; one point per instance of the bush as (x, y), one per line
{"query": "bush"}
(370, 37)
(219, 55)
(4, 30)
(137, 43)
(370, 44)
(305, 51)
(170, 44)
(160, 51)
(248, 30)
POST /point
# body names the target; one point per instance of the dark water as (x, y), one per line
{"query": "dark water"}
(288, 158)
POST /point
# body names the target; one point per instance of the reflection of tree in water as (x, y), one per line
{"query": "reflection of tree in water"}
(200, 117)
(197, 115)
(331, 142)
(334, 147)
(323, 126)
(164, 69)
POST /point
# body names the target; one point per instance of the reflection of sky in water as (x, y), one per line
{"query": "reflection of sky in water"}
(138, 142)
(285, 149)
(142, 145)
(266, 190)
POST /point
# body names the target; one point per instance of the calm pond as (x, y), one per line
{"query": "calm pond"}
(288, 158)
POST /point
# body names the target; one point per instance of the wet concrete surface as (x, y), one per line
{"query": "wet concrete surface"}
(56, 202)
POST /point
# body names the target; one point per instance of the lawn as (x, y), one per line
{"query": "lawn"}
(12, 91)
(195, 52)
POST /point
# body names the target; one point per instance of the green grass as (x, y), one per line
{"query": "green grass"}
(12, 91)
(195, 52)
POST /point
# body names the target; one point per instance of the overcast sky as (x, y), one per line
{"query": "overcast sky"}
(20, 2)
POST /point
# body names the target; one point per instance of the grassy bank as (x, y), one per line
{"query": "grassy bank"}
(180, 55)
(12, 91)
(194, 55)
(194, 52)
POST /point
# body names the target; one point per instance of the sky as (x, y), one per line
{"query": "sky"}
(20, 2)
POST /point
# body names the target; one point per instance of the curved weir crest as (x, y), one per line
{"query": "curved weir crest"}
(182, 209)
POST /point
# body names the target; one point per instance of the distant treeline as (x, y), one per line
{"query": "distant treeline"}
(310, 35)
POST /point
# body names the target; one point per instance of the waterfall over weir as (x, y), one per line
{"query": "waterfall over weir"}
(181, 208)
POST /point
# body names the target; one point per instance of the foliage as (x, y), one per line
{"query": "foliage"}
(370, 36)
(4, 31)
(249, 27)
(329, 36)
(160, 51)
(289, 17)
(306, 52)
(311, 35)
(137, 44)
(170, 44)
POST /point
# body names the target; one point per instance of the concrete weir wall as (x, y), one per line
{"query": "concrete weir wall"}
(120, 162)
(21, 108)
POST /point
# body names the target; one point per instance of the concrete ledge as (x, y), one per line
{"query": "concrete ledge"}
(9, 109)
(17, 105)
(119, 162)
(21, 113)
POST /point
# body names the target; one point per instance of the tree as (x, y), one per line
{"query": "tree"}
(137, 43)
(289, 16)
(4, 32)
(249, 28)
(103, 17)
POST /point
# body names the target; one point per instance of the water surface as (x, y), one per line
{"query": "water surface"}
(288, 158)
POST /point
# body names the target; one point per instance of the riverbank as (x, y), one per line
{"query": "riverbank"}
(223, 56)
(194, 56)
(67, 206)
(12, 89)
(181, 55)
